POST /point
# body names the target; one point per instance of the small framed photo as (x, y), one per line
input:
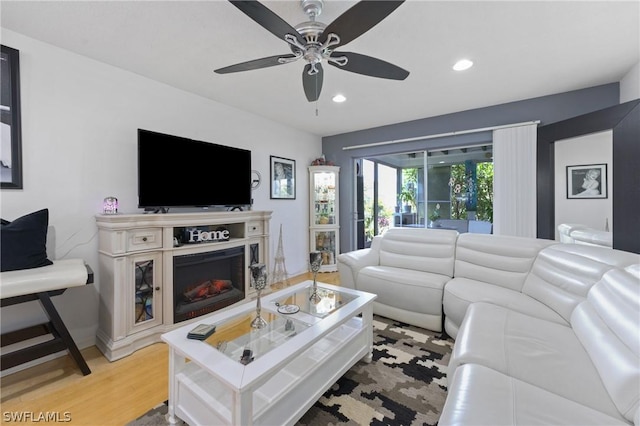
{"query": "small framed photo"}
(587, 181)
(283, 178)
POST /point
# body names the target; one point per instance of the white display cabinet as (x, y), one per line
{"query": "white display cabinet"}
(324, 214)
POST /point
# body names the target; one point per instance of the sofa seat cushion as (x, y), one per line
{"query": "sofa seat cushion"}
(479, 395)
(407, 289)
(543, 353)
(459, 293)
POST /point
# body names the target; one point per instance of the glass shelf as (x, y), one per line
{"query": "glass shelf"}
(236, 336)
(329, 302)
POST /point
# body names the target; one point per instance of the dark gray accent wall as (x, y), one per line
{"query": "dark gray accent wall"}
(624, 120)
(546, 109)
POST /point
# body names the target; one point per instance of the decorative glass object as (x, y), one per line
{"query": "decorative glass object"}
(110, 205)
(259, 277)
(315, 259)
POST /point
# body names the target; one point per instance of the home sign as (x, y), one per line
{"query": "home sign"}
(199, 235)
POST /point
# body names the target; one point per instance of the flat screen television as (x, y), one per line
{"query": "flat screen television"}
(180, 172)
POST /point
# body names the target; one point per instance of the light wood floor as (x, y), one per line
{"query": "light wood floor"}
(113, 394)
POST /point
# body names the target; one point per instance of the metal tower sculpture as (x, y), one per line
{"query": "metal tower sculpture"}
(279, 277)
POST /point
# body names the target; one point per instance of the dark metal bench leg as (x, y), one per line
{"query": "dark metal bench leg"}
(62, 331)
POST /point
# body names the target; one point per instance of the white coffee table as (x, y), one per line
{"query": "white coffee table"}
(295, 359)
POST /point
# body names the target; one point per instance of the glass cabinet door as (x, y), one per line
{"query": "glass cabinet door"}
(324, 197)
(326, 243)
(146, 280)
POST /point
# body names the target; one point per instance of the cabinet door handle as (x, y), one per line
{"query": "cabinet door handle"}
(157, 288)
(144, 239)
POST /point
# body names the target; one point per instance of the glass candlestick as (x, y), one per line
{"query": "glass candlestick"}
(259, 277)
(315, 259)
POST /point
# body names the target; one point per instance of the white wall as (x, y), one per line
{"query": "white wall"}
(79, 137)
(630, 84)
(596, 148)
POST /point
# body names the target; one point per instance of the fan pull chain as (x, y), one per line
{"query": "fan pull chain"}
(317, 97)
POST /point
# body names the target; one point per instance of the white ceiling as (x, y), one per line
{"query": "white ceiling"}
(521, 50)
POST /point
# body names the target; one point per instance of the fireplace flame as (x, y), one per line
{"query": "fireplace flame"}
(206, 289)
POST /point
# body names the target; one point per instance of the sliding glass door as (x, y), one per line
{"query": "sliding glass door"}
(456, 189)
(376, 195)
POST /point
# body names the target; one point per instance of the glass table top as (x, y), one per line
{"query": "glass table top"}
(330, 300)
(239, 341)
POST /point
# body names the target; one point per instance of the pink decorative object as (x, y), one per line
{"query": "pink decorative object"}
(110, 205)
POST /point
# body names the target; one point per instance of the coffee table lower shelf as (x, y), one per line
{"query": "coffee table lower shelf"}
(284, 397)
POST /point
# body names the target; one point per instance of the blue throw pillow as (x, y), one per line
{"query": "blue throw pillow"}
(23, 242)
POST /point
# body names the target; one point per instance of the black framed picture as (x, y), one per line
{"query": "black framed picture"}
(11, 139)
(283, 178)
(587, 181)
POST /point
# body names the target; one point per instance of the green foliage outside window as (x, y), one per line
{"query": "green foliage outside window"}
(408, 194)
(384, 215)
(460, 187)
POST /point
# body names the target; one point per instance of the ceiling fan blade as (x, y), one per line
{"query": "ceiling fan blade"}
(312, 83)
(359, 19)
(265, 17)
(253, 65)
(366, 65)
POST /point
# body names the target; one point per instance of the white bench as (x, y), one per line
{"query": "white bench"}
(41, 284)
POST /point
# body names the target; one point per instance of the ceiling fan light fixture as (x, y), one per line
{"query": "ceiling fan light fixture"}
(463, 64)
(339, 98)
(315, 41)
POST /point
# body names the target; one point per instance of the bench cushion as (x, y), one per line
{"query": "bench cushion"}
(60, 275)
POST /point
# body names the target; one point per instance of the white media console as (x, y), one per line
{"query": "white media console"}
(136, 271)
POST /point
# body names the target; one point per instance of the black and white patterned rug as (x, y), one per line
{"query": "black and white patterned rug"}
(405, 384)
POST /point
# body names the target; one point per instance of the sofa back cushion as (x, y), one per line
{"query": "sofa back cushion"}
(496, 259)
(420, 249)
(563, 274)
(608, 326)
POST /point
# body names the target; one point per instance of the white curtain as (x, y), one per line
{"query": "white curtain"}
(514, 181)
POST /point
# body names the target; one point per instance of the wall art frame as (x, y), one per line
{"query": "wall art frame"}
(282, 178)
(587, 181)
(11, 140)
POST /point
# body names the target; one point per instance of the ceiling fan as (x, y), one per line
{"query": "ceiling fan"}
(314, 41)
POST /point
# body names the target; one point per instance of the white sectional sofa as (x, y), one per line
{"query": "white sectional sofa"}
(575, 233)
(545, 333)
(407, 269)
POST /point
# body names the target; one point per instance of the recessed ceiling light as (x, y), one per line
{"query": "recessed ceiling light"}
(440, 162)
(339, 98)
(463, 64)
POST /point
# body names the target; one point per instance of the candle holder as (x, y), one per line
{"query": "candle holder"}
(259, 277)
(315, 260)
